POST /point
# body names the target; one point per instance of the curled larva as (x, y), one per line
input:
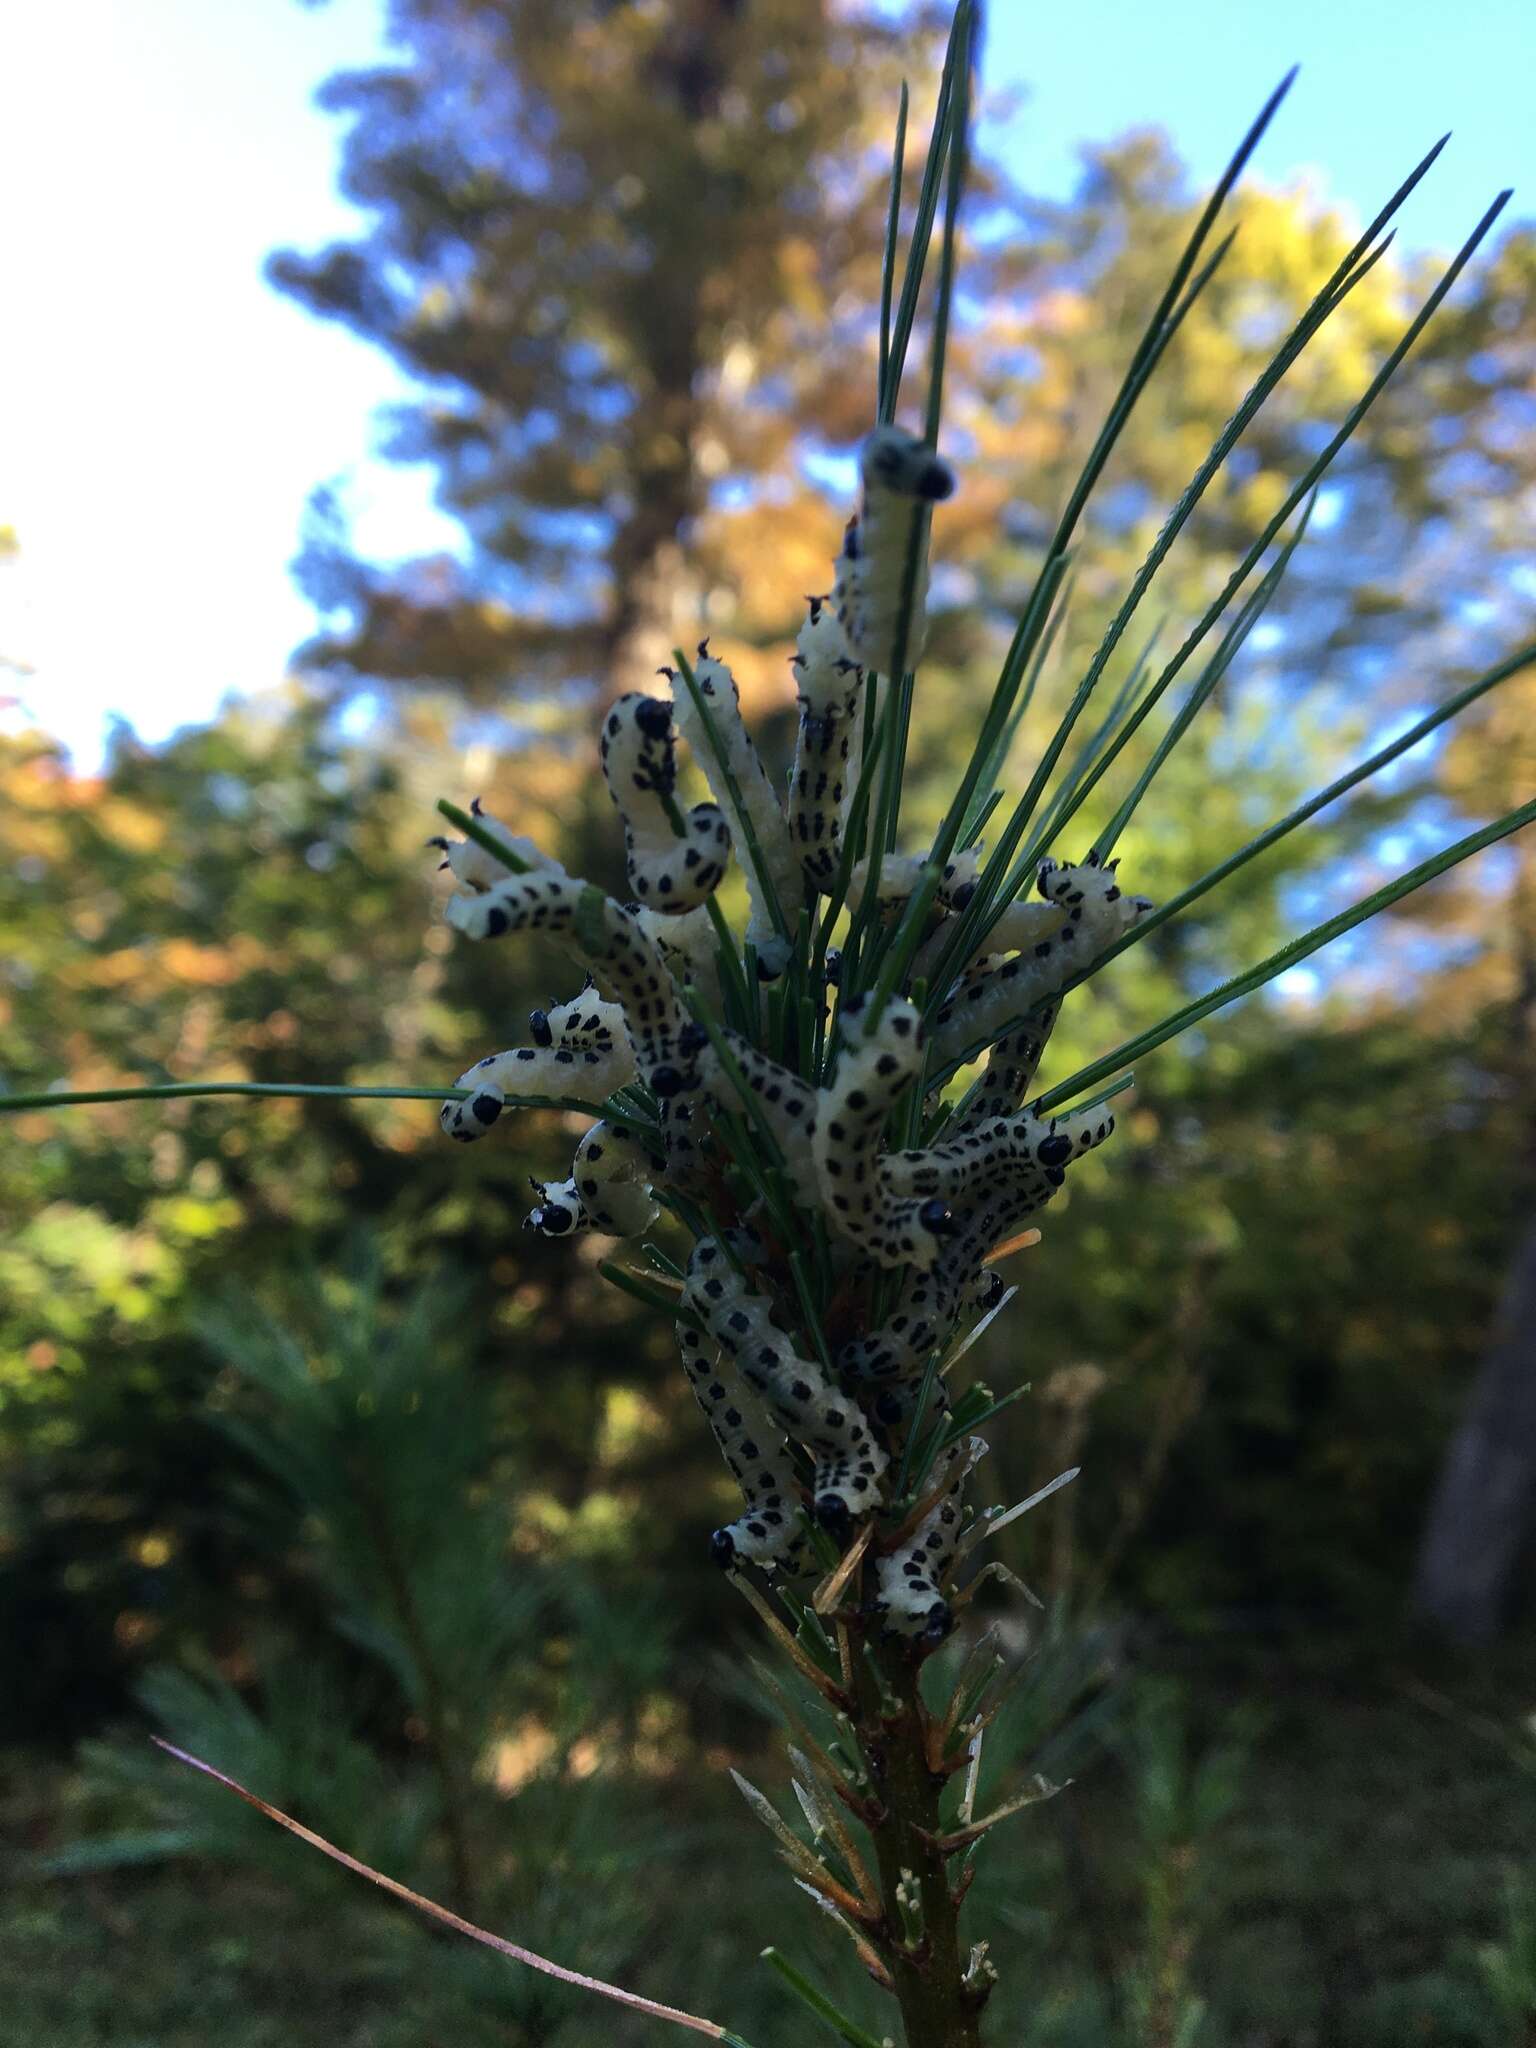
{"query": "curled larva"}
(990, 999)
(608, 1191)
(805, 1404)
(741, 788)
(608, 938)
(872, 1073)
(761, 1461)
(911, 1597)
(900, 478)
(579, 1049)
(472, 866)
(671, 872)
(829, 687)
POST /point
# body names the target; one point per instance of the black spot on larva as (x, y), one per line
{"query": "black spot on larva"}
(486, 1109)
(691, 1039)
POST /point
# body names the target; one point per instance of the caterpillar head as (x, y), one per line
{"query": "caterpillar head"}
(893, 460)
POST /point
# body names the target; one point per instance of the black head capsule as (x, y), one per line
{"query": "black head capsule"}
(833, 1514)
(936, 1215)
(834, 967)
(938, 1625)
(667, 1082)
(654, 717)
(888, 1409)
(538, 1028)
(959, 898)
(722, 1549)
(1054, 1151)
(551, 1222)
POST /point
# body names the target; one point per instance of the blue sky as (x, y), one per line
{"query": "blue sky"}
(163, 415)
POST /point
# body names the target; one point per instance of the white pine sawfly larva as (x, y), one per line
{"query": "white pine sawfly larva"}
(472, 866)
(806, 1405)
(901, 478)
(829, 687)
(785, 1103)
(991, 999)
(872, 1073)
(911, 1597)
(670, 873)
(579, 1048)
(900, 874)
(1011, 1066)
(689, 947)
(755, 1449)
(758, 810)
(998, 1176)
(608, 1191)
(607, 937)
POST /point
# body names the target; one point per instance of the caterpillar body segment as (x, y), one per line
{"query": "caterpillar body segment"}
(805, 1404)
(990, 999)
(781, 1099)
(900, 874)
(999, 1177)
(761, 1462)
(608, 1190)
(606, 936)
(474, 868)
(1021, 926)
(1009, 1156)
(911, 1597)
(872, 1074)
(900, 478)
(829, 687)
(669, 873)
(1010, 1070)
(758, 808)
(687, 944)
(580, 1048)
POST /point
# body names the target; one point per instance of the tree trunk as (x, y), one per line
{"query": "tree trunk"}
(1482, 1505)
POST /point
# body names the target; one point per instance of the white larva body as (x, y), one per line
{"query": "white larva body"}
(830, 690)
(901, 478)
(755, 1449)
(872, 1073)
(474, 868)
(608, 1191)
(805, 1404)
(670, 872)
(912, 1582)
(758, 808)
(786, 1104)
(990, 999)
(580, 1049)
(689, 947)
(998, 1176)
(608, 938)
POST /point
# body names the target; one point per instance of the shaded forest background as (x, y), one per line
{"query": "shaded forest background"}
(310, 1458)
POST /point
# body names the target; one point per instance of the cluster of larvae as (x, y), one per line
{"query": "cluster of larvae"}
(803, 1434)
